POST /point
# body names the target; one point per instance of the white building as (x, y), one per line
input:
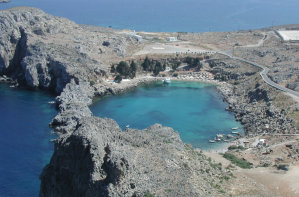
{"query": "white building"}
(167, 69)
(134, 35)
(138, 38)
(262, 142)
(289, 35)
(172, 39)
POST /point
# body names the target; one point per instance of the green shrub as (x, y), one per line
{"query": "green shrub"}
(148, 194)
(193, 62)
(175, 74)
(237, 161)
(216, 165)
(118, 79)
(234, 147)
(157, 68)
(112, 70)
(146, 65)
(123, 68)
(176, 65)
(133, 69)
(91, 83)
(106, 43)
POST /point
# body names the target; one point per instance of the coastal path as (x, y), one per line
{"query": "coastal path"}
(265, 70)
(263, 74)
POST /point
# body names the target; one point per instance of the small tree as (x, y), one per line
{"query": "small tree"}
(196, 62)
(158, 67)
(176, 65)
(200, 65)
(118, 79)
(193, 62)
(106, 43)
(189, 60)
(133, 69)
(123, 68)
(112, 70)
(151, 66)
(146, 64)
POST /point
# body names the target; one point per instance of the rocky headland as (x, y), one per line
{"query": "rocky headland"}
(93, 156)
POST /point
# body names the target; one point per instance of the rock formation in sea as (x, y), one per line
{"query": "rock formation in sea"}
(93, 156)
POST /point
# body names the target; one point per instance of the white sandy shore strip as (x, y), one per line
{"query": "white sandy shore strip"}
(131, 83)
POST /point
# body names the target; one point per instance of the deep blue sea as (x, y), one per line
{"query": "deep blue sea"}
(172, 15)
(25, 146)
(194, 109)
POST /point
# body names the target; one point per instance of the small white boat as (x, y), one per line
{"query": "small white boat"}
(226, 140)
(235, 132)
(229, 136)
(167, 80)
(218, 139)
(219, 136)
(127, 126)
(51, 102)
(235, 128)
(212, 141)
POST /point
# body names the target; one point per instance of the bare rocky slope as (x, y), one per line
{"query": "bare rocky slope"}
(93, 156)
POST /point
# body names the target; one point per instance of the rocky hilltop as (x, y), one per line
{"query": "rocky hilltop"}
(93, 156)
(47, 52)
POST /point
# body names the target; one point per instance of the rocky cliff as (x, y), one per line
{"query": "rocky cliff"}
(253, 101)
(93, 156)
(47, 52)
(99, 159)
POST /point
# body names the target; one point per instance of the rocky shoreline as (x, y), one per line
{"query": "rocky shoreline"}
(5, 79)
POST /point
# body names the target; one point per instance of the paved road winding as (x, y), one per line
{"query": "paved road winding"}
(263, 74)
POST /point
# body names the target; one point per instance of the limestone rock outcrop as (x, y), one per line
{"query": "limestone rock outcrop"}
(44, 51)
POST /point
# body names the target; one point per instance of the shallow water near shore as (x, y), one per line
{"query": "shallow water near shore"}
(25, 146)
(194, 109)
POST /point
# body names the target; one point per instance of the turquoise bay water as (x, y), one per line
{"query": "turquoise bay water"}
(171, 15)
(24, 143)
(195, 110)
